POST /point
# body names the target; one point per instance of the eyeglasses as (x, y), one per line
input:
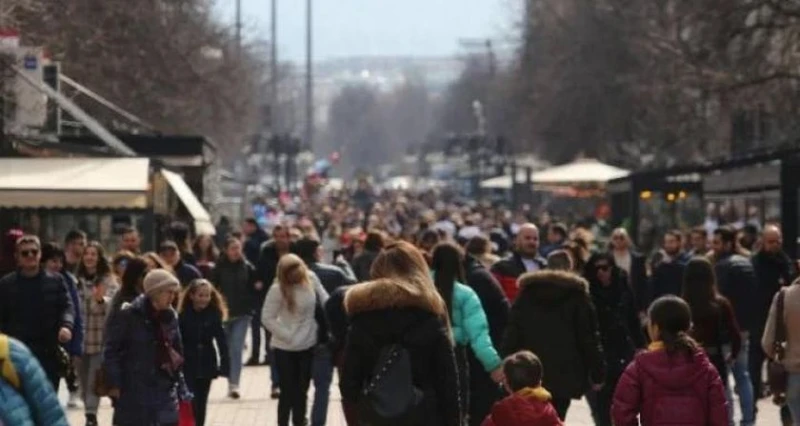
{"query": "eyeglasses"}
(29, 253)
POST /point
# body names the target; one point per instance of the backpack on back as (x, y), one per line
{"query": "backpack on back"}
(390, 397)
(7, 369)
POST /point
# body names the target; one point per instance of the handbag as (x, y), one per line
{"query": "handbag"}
(100, 384)
(777, 376)
(185, 414)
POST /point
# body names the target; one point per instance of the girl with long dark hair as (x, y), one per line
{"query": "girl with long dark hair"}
(714, 320)
(205, 254)
(470, 326)
(673, 382)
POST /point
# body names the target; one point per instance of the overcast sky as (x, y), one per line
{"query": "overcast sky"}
(377, 27)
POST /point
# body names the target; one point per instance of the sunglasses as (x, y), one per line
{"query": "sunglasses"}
(603, 268)
(29, 253)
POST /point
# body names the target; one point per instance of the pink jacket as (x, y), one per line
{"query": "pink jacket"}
(672, 390)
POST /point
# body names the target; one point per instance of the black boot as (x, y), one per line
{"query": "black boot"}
(91, 420)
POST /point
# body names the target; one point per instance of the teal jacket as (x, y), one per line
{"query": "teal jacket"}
(470, 326)
(35, 403)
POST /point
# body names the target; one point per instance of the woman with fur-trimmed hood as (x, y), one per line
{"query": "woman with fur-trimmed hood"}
(401, 305)
(553, 317)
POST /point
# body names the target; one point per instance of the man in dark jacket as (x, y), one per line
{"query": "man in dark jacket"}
(255, 237)
(737, 281)
(774, 269)
(35, 307)
(667, 275)
(483, 390)
(525, 258)
(554, 318)
(186, 273)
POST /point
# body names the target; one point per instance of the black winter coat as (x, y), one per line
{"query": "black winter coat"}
(266, 268)
(199, 331)
(484, 392)
(236, 281)
(337, 318)
(667, 278)
(554, 318)
(737, 281)
(617, 320)
(492, 297)
(381, 314)
(362, 264)
(331, 277)
(773, 272)
(33, 310)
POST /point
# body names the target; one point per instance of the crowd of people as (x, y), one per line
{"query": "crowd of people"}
(432, 313)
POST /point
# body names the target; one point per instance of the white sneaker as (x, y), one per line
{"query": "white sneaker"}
(74, 401)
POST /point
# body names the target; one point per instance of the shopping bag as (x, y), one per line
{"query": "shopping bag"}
(185, 414)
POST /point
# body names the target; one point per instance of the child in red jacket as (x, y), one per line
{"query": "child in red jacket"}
(529, 403)
(673, 383)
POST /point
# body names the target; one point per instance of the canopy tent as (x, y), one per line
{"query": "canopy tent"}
(583, 171)
(93, 183)
(586, 170)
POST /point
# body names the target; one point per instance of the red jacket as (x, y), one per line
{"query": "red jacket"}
(528, 407)
(670, 390)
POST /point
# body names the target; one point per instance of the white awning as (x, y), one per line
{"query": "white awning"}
(580, 171)
(202, 220)
(108, 183)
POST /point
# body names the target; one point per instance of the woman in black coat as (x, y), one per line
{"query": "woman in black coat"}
(619, 325)
(402, 307)
(483, 391)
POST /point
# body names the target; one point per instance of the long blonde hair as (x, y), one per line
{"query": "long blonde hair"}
(292, 271)
(405, 267)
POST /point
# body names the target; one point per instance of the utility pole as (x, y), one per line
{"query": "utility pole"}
(275, 96)
(309, 75)
(238, 29)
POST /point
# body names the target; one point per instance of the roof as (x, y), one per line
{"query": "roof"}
(586, 170)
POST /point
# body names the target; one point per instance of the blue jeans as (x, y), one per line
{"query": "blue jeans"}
(273, 368)
(793, 397)
(741, 376)
(322, 375)
(236, 329)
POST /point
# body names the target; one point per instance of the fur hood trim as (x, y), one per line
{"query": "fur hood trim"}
(387, 294)
(564, 279)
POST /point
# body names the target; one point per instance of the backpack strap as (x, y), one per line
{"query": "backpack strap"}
(7, 369)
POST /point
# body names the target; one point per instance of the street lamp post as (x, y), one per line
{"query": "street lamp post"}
(309, 74)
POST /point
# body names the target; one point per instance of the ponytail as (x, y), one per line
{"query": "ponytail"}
(679, 343)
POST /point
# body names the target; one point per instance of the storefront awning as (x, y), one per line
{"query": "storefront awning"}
(104, 183)
(202, 220)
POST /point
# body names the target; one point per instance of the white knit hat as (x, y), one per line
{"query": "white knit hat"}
(160, 279)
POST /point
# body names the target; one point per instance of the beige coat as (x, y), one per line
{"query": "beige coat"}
(791, 317)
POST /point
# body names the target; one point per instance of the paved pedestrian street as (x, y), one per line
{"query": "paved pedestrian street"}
(256, 407)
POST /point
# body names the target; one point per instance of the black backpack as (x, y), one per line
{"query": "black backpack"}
(390, 397)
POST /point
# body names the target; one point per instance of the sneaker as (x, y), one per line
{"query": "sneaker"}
(91, 420)
(233, 393)
(276, 393)
(74, 401)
